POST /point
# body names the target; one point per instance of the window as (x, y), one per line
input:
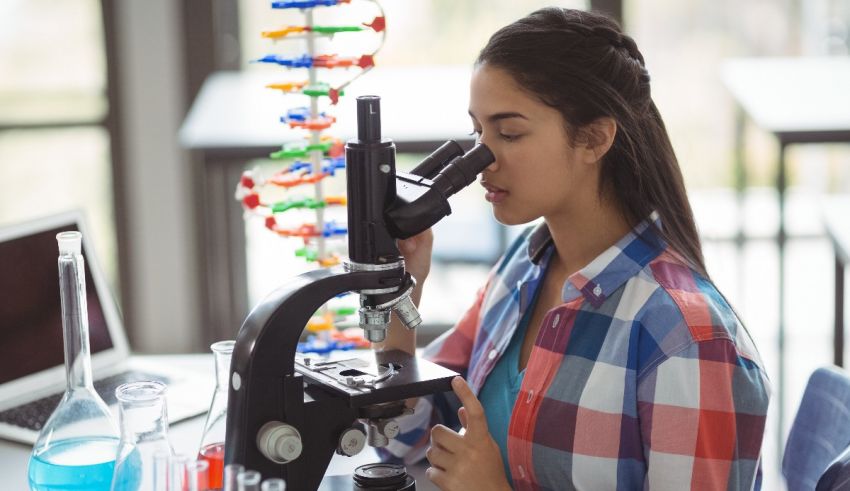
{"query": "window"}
(54, 149)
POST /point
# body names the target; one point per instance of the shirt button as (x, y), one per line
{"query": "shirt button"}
(521, 471)
(529, 396)
(556, 320)
(597, 290)
(492, 354)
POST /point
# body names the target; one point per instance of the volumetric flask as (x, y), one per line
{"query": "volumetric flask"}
(212, 440)
(144, 435)
(76, 447)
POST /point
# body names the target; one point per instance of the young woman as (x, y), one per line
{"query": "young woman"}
(599, 354)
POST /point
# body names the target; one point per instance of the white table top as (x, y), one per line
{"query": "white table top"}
(184, 437)
(792, 95)
(234, 110)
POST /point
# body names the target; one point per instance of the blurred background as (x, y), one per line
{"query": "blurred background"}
(100, 110)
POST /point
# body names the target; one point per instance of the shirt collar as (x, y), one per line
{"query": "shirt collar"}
(611, 269)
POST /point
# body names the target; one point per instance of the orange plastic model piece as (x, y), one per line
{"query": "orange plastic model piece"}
(320, 323)
(287, 86)
(279, 33)
(314, 124)
(288, 180)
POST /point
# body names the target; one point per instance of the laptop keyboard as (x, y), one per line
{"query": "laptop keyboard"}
(33, 415)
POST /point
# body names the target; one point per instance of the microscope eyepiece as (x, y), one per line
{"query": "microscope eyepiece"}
(440, 158)
(369, 119)
(461, 172)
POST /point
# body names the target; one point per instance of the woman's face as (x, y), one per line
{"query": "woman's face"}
(536, 172)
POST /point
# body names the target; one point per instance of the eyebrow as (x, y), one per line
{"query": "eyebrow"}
(499, 116)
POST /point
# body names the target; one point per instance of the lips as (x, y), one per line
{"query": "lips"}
(493, 194)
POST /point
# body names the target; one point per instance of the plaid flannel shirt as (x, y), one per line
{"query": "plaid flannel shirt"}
(643, 378)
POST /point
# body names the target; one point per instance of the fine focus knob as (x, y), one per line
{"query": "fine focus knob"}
(351, 442)
(279, 442)
(389, 427)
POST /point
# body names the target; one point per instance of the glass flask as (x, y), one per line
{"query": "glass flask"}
(274, 484)
(248, 481)
(212, 440)
(231, 476)
(144, 435)
(76, 448)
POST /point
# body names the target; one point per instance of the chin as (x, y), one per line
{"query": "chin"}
(506, 217)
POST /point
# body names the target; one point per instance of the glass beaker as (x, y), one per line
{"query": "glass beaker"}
(76, 448)
(212, 439)
(144, 435)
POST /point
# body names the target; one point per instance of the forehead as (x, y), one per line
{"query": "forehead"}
(493, 90)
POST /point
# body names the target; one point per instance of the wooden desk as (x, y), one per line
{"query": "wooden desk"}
(235, 119)
(798, 100)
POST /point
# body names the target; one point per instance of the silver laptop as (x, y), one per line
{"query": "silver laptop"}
(32, 371)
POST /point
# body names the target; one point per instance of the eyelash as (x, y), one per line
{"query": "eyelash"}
(507, 138)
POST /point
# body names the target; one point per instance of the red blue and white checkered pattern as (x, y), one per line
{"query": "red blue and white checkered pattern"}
(644, 378)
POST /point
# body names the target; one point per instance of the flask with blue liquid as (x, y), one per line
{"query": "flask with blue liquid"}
(76, 449)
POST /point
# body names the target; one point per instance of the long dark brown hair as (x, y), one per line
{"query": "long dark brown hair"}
(582, 64)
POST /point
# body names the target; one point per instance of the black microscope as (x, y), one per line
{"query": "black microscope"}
(288, 413)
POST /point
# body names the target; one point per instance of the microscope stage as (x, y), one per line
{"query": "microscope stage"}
(369, 377)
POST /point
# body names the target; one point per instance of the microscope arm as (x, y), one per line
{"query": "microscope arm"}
(264, 385)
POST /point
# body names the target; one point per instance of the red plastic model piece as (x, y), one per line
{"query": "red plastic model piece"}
(251, 201)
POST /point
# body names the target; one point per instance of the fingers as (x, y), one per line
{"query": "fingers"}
(438, 477)
(473, 411)
(440, 458)
(446, 438)
(461, 414)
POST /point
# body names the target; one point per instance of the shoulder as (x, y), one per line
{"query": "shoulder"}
(684, 314)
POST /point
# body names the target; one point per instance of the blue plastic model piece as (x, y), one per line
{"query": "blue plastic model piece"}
(300, 165)
(331, 229)
(313, 345)
(331, 165)
(303, 4)
(302, 61)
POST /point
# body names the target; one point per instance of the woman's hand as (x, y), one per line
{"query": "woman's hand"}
(417, 254)
(470, 461)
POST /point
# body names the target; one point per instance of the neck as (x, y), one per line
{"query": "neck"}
(582, 236)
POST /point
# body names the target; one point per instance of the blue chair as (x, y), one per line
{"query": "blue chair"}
(820, 433)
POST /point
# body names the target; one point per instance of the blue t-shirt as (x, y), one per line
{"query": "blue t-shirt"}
(499, 392)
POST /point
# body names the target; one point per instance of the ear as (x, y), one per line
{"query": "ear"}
(598, 138)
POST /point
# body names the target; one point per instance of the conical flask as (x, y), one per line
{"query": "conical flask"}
(144, 435)
(76, 448)
(212, 440)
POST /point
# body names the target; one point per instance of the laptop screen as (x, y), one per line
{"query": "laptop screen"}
(30, 310)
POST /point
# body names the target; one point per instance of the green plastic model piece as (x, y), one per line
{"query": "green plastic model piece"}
(294, 152)
(312, 92)
(336, 29)
(310, 203)
(307, 254)
(340, 311)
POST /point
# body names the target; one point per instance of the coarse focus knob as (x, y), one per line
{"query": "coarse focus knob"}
(351, 442)
(279, 442)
